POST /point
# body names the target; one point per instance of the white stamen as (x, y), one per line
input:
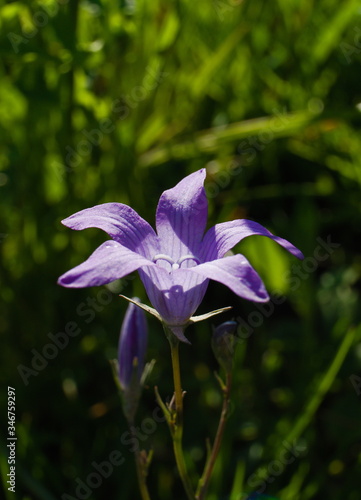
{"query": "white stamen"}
(175, 265)
(187, 257)
(163, 256)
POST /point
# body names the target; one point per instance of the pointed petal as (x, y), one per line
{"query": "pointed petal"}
(222, 237)
(237, 274)
(202, 317)
(109, 262)
(182, 216)
(122, 223)
(175, 295)
(178, 331)
(146, 308)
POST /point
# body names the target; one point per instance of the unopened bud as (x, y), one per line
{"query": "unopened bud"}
(131, 356)
(223, 344)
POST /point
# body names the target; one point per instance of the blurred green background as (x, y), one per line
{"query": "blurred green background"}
(117, 101)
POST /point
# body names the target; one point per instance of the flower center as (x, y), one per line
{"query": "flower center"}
(175, 264)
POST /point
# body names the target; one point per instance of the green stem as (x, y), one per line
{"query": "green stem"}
(141, 463)
(206, 476)
(322, 386)
(177, 424)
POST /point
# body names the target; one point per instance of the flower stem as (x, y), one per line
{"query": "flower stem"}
(206, 476)
(142, 464)
(177, 422)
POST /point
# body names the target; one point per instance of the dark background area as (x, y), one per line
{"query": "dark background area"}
(117, 101)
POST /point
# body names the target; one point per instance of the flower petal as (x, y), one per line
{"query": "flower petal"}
(220, 238)
(109, 262)
(175, 295)
(122, 223)
(237, 274)
(182, 216)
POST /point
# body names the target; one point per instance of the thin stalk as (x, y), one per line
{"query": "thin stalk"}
(142, 464)
(177, 424)
(207, 474)
(322, 386)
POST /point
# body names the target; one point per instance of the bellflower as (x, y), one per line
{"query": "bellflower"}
(176, 262)
(223, 344)
(131, 356)
(132, 345)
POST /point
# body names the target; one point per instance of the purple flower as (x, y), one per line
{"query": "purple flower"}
(176, 262)
(132, 346)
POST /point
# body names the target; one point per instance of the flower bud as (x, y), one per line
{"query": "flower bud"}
(223, 344)
(131, 356)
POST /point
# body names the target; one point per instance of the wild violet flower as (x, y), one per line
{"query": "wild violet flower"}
(131, 356)
(175, 263)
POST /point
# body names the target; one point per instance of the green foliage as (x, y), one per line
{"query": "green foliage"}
(109, 100)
